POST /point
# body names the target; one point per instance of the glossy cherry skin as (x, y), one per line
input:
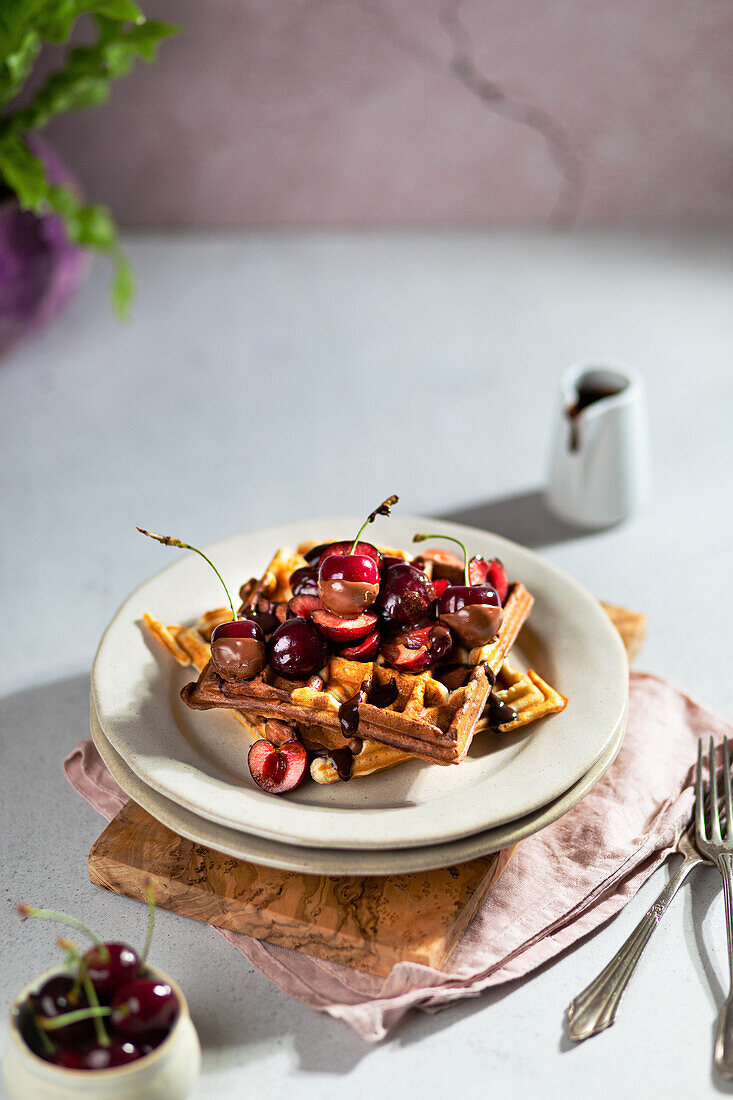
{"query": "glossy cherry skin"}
(406, 594)
(117, 1054)
(110, 966)
(318, 553)
(142, 1006)
(238, 649)
(55, 998)
(296, 650)
(476, 627)
(418, 648)
(348, 583)
(304, 582)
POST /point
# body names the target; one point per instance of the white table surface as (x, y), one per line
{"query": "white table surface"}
(282, 376)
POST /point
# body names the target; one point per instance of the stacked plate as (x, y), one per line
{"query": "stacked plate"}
(189, 768)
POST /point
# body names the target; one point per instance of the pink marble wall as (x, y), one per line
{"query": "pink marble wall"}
(361, 112)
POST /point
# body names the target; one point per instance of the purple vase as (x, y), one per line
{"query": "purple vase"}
(39, 267)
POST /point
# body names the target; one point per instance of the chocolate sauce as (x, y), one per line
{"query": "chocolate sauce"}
(349, 714)
(587, 394)
(343, 597)
(237, 658)
(343, 762)
(475, 623)
(499, 714)
(383, 695)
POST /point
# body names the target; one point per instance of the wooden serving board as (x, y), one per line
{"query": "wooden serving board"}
(369, 923)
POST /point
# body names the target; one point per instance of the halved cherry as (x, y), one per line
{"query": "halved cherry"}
(365, 650)
(344, 630)
(440, 587)
(277, 768)
(302, 607)
(481, 571)
(418, 648)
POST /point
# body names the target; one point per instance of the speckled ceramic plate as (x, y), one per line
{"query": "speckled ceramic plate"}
(339, 861)
(198, 759)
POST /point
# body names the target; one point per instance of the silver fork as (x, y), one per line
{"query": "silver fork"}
(594, 1009)
(719, 850)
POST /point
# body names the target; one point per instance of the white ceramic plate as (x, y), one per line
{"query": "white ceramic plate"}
(337, 861)
(198, 759)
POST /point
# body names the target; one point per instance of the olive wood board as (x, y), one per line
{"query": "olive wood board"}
(370, 923)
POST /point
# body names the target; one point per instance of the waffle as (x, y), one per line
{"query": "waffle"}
(526, 692)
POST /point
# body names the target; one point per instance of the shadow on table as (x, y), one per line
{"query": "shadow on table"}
(521, 517)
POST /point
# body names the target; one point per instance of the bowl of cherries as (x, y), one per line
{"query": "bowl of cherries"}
(104, 1024)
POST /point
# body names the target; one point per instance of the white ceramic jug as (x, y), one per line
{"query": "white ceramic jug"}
(599, 471)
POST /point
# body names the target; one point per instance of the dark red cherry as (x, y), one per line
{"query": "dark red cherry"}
(110, 965)
(296, 650)
(418, 648)
(151, 1042)
(473, 612)
(58, 996)
(142, 1006)
(68, 1058)
(304, 582)
(277, 768)
(348, 583)
(238, 649)
(406, 594)
(117, 1054)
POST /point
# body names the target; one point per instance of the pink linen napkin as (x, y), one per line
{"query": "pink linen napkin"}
(561, 884)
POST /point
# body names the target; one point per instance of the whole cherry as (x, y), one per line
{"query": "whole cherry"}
(142, 1006)
(110, 965)
(237, 647)
(472, 611)
(348, 583)
(297, 650)
(406, 594)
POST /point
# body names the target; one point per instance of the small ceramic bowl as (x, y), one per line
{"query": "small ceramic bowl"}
(168, 1073)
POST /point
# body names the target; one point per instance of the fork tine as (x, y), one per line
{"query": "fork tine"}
(699, 795)
(714, 810)
(726, 781)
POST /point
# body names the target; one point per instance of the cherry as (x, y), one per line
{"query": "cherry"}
(365, 650)
(117, 1054)
(296, 650)
(348, 581)
(142, 1006)
(238, 649)
(472, 611)
(151, 1042)
(406, 594)
(302, 607)
(68, 1058)
(418, 648)
(304, 582)
(58, 996)
(344, 630)
(314, 556)
(481, 571)
(110, 965)
(277, 768)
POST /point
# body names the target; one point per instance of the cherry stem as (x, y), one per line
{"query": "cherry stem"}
(99, 1029)
(150, 896)
(421, 538)
(63, 918)
(383, 510)
(168, 541)
(51, 1023)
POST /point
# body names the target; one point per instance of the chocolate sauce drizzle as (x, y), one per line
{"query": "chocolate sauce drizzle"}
(377, 695)
(498, 713)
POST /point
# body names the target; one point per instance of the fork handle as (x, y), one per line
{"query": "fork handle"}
(723, 1049)
(594, 1009)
